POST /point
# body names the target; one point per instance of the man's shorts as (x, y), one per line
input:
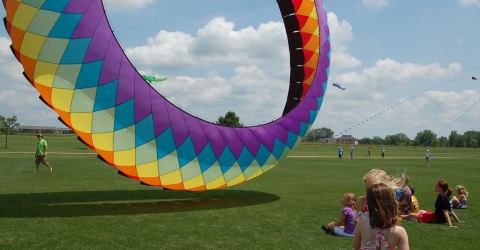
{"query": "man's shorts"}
(41, 159)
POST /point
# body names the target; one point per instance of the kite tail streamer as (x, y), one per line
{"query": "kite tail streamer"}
(400, 103)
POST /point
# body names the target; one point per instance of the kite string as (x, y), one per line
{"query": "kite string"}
(470, 108)
(399, 103)
(460, 116)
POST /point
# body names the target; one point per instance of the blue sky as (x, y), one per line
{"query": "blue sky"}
(231, 55)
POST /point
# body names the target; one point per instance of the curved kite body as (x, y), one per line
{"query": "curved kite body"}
(72, 58)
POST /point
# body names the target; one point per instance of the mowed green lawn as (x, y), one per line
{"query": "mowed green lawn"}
(86, 205)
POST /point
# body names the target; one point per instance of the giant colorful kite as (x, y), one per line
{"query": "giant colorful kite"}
(73, 59)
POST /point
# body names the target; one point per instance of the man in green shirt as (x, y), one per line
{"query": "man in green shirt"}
(41, 154)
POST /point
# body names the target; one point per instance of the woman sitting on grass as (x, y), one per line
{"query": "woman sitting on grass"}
(346, 225)
(380, 230)
(459, 201)
(443, 208)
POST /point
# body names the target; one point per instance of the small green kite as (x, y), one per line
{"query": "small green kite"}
(154, 79)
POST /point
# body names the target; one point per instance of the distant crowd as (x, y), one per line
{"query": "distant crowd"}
(373, 221)
(341, 152)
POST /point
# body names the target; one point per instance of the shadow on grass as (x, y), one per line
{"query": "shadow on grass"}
(124, 202)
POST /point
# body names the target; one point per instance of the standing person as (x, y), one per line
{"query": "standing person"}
(41, 154)
(352, 152)
(383, 153)
(340, 153)
(380, 229)
(428, 156)
(370, 151)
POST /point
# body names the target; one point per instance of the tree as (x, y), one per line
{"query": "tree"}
(455, 139)
(471, 139)
(443, 142)
(400, 139)
(365, 141)
(230, 120)
(377, 140)
(426, 138)
(316, 135)
(7, 124)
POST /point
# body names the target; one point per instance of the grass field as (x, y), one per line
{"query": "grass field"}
(86, 205)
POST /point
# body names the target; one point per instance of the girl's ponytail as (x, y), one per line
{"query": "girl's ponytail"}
(449, 192)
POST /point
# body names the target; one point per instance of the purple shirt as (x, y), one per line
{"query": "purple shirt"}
(350, 216)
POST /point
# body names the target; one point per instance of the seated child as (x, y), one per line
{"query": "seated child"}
(414, 209)
(459, 201)
(346, 225)
(380, 230)
(378, 176)
(415, 204)
(404, 198)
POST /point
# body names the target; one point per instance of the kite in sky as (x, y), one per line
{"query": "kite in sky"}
(338, 86)
(154, 79)
(71, 56)
(474, 78)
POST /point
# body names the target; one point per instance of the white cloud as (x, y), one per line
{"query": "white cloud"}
(216, 43)
(466, 3)
(342, 35)
(219, 43)
(126, 4)
(375, 3)
(252, 93)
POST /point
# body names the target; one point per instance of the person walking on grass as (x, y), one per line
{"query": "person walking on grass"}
(352, 152)
(428, 156)
(41, 154)
(340, 153)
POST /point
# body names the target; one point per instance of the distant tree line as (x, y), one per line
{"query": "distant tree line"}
(426, 138)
